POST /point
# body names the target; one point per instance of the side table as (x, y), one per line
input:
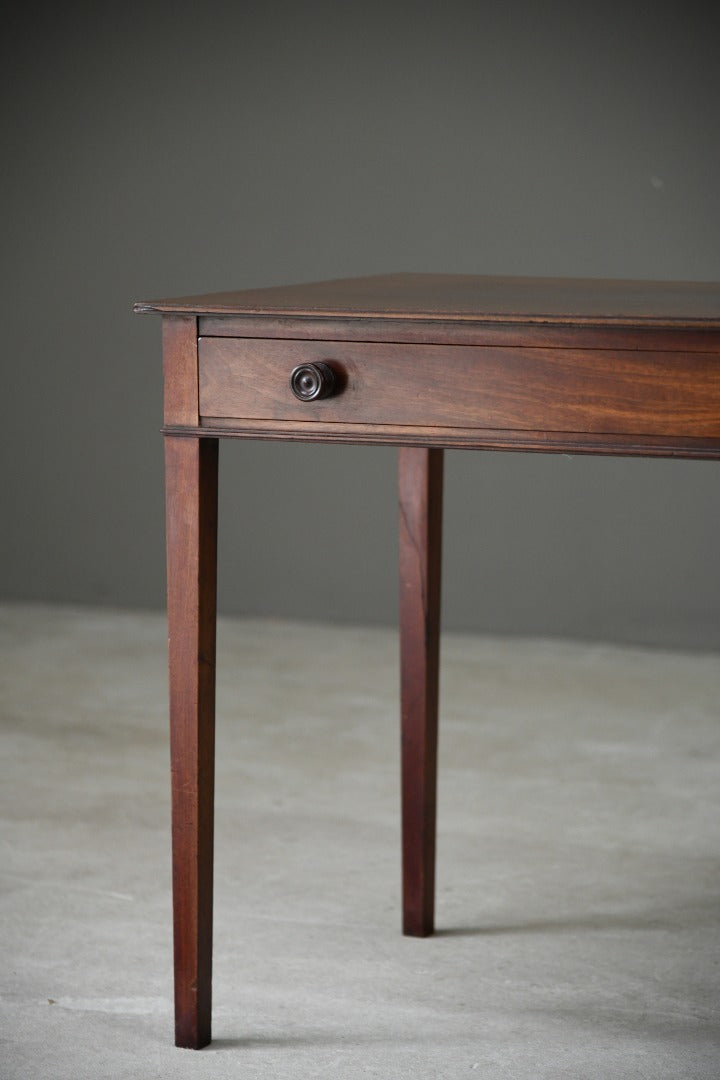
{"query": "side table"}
(424, 362)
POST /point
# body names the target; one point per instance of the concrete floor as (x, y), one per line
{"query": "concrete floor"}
(579, 859)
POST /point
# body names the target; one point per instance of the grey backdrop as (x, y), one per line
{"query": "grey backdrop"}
(153, 150)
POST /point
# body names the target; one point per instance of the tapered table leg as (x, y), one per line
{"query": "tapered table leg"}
(420, 477)
(191, 503)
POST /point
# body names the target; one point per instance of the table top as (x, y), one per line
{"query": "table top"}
(470, 297)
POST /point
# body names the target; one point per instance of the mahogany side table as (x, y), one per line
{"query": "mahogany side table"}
(423, 362)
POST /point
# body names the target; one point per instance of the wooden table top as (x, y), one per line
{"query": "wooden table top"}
(469, 297)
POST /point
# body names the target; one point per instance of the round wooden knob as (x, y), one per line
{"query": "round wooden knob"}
(309, 382)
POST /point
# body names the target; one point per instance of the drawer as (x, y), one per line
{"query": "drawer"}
(427, 387)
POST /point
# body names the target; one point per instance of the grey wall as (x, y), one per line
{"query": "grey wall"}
(153, 150)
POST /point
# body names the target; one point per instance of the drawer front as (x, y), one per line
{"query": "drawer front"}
(624, 392)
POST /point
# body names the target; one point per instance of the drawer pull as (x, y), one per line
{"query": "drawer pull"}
(309, 382)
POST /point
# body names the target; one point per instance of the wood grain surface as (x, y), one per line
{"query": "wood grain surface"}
(469, 296)
(622, 392)
(180, 369)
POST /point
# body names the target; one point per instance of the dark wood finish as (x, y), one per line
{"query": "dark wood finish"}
(543, 442)
(462, 332)
(191, 492)
(424, 362)
(180, 369)
(420, 483)
(570, 301)
(590, 391)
